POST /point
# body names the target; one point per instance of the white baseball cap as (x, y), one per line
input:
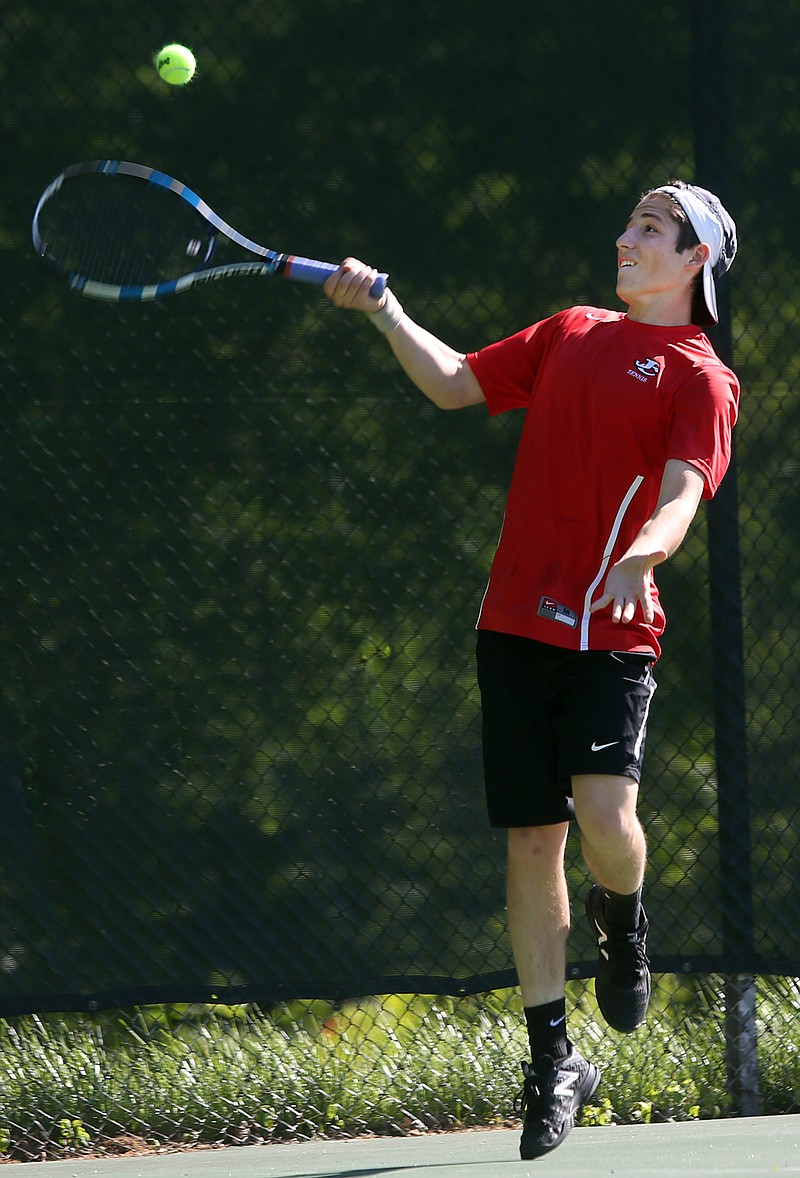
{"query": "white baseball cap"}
(715, 228)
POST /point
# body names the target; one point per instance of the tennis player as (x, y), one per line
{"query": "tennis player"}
(628, 420)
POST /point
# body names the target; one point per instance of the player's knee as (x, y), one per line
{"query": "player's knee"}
(606, 828)
(605, 809)
(537, 844)
(605, 824)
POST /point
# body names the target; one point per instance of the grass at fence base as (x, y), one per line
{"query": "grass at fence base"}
(397, 1064)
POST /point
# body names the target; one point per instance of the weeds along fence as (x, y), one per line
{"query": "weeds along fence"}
(144, 1079)
(247, 867)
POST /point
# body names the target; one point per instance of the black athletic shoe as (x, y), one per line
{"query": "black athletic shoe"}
(552, 1094)
(622, 985)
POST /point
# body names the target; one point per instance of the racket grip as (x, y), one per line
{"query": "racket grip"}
(308, 270)
(378, 286)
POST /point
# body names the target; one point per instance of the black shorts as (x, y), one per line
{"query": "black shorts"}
(550, 714)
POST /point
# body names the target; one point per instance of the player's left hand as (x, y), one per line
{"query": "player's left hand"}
(627, 586)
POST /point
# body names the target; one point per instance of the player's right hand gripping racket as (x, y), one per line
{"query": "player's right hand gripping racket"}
(127, 233)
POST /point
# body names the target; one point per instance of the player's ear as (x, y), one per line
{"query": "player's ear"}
(699, 255)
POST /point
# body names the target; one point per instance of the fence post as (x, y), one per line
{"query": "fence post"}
(741, 1043)
(710, 47)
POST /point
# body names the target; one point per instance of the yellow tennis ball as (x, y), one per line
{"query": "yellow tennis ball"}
(175, 64)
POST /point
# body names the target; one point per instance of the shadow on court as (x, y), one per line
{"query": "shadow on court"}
(746, 1148)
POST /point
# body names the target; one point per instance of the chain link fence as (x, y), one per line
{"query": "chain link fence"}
(246, 850)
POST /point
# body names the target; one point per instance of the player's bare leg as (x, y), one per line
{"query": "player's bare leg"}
(538, 910)
(615, 851)
(558, 1080)
(614, 845)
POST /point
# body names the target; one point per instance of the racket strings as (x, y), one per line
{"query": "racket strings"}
(115, 230)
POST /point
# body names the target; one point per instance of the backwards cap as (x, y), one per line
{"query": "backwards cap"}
(715, 228)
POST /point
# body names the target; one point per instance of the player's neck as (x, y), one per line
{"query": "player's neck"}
(666, 309)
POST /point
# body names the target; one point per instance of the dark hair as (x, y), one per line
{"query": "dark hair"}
(687, 238)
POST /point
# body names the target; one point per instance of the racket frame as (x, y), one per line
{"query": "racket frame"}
(291, 266)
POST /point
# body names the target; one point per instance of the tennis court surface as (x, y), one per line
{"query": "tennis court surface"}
(747, 1148)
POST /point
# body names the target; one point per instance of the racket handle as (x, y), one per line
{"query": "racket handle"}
(307, 270)
(378, 286)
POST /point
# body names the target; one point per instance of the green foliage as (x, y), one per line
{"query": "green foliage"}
(71, 1135)
(389, 1064)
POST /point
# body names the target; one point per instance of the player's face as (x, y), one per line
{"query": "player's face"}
(647, 262)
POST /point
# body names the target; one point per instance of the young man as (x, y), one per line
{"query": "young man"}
(628, 425)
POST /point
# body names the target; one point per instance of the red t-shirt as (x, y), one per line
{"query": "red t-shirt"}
(608, 402)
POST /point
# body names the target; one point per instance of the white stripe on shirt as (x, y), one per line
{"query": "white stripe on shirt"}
(609, 548)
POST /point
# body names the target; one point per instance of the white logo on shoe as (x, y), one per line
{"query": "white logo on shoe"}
(566, 1084)
(596, 748)
(602, 937)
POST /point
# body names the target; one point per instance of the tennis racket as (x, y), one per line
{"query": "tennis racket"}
(127, 233)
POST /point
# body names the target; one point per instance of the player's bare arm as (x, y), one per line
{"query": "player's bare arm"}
(628, 582)
(438, 370)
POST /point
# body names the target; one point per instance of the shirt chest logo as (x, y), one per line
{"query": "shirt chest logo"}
(647, 370)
